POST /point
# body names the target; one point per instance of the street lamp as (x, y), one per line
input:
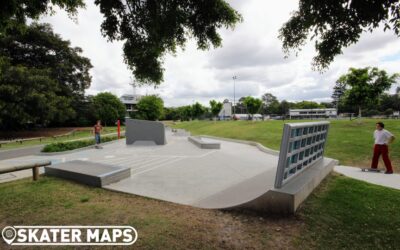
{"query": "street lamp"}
(234, 95)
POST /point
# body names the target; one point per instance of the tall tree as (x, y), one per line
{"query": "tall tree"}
(198, 110)
(270, 103)
(148, 28)
(185, 113)
(216, 107)
(36, 50)
(150, 107)
(366, 85)
(253, 105)
(337, 24)
(108, 108)
(338, 91)
(37, 46)
(29, 97)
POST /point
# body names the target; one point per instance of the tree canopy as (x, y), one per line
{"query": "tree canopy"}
(148, 28)
(365, 85)
(108, 108)
(150, 107)
(28, 97)
(37, 46)
(252, 104)
(43, 78)
(337, 24)
(216, 107)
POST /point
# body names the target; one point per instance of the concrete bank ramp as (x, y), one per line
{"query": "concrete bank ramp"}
(258, 193)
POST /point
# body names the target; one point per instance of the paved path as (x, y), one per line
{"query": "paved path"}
(20, 152)
(387, 180)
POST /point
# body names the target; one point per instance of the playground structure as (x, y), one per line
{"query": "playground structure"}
(238, 175)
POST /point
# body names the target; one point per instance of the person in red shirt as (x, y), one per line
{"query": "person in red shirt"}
(97, 128)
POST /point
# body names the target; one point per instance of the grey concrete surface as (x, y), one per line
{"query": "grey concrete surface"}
(237, 175)
(140, 130)
(18, 152)
(386, 180)
(93, 174)
(203, 143)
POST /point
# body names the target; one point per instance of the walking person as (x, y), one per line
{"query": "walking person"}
(382, 139)
(97, 128)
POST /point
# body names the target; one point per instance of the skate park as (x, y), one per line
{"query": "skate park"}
(201, 171)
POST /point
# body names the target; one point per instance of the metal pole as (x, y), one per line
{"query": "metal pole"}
(234, 95)
(119, 128)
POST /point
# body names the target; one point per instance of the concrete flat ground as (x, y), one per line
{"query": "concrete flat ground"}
(179, 172)
(386, 180)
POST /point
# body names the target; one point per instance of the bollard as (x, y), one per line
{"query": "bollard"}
(35, 173)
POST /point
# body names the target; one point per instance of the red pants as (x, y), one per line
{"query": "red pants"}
(384, 150)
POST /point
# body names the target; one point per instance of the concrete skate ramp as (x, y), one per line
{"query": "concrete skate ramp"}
(258, 193)
(141, 130)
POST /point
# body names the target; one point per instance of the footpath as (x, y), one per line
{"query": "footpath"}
(386, 180)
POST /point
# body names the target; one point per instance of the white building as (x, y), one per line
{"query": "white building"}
(130, 102)
(312, 113)
(226, 111)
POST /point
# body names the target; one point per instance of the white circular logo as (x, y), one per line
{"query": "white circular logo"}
(9, 234)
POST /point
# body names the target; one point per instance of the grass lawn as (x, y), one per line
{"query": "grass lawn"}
(75, 136)
(342, 214)
(348, 141)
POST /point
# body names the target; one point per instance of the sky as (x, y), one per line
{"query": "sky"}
(252, 52)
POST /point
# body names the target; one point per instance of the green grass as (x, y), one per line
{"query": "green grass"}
(160, 225)
(71, 145)
(342, 214)
(74, 136)
(349, 214)
(349, 141)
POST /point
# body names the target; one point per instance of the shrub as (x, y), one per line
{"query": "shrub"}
(71, 145)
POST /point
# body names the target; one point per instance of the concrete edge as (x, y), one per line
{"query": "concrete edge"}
(202, 144)
(251, 143)
(76, 150)
(284, 200)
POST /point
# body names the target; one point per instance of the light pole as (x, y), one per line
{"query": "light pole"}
(234, 95)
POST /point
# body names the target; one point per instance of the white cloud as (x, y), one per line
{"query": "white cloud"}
(252, 52)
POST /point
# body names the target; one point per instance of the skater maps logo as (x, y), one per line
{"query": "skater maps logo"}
(69, 235)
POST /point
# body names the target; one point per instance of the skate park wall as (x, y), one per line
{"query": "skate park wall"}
(141, 130)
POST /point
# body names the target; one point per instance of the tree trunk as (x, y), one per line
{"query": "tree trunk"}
(359, 112)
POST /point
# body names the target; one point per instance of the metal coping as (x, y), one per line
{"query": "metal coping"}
(303, 145)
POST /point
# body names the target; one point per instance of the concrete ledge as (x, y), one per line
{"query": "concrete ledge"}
(202, 144)
(89, 173)
(251, 143)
